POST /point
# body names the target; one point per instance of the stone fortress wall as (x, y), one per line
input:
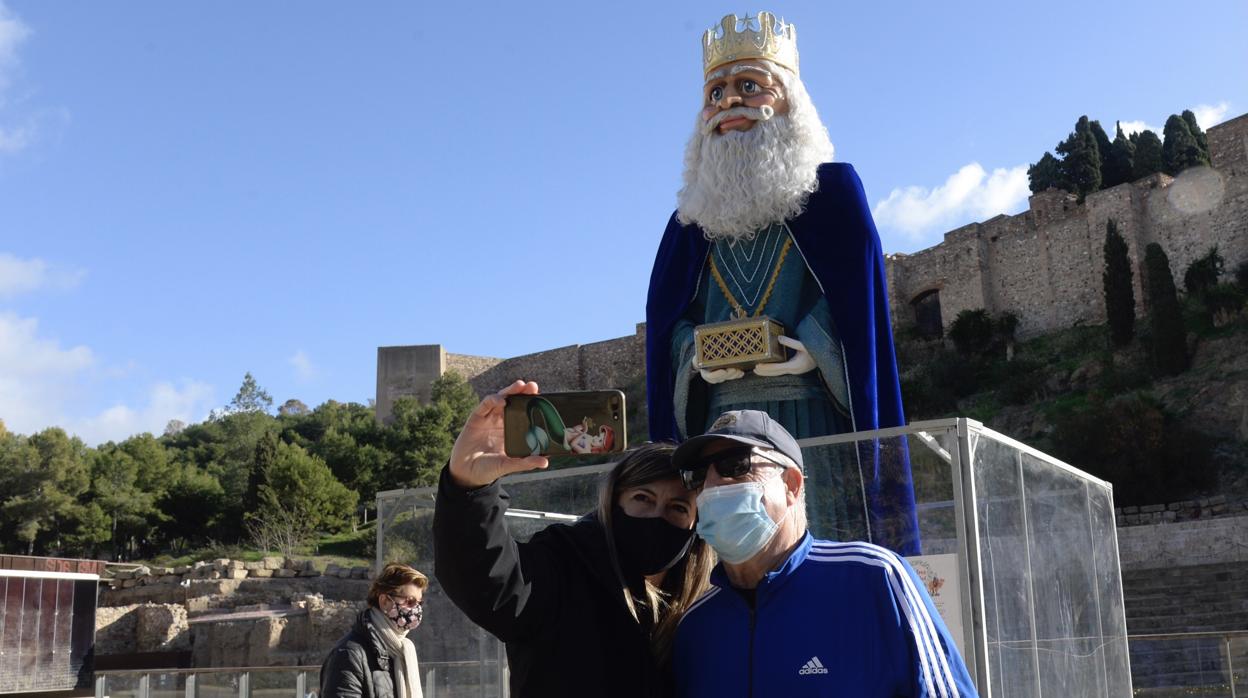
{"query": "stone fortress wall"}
(1044, 265)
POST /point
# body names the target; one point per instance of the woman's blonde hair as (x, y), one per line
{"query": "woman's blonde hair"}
(393, 576)
(687, 580)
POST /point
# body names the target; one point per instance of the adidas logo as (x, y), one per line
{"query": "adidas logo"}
(814, 666)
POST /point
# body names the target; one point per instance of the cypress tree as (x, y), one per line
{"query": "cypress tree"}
(1119, 293)
(1181, 150)
(1117, 167)
(1046, 174)
(1102, 143)
(1164, 315)
(1081, 161)
(1202, 141)
(1147, 155)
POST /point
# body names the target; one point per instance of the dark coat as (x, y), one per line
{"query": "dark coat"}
(358, 666)
(555, 601)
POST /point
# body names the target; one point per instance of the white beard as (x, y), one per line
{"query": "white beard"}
(739, 182)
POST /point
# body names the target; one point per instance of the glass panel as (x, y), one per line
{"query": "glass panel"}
(216, 685)
(121, 685)
(1004, 566)
(82, 632)
(172, 685)
(28, 659)
(1067, 602)
(460, 679)
(10, 634)
(47, 630)
(273, 684)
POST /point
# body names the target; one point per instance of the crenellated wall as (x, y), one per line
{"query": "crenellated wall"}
(1045, 264)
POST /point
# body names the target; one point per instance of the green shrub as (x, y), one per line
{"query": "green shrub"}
(1130, 441)
(972, 332)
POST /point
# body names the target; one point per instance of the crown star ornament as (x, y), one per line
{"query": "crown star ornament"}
(763, 36)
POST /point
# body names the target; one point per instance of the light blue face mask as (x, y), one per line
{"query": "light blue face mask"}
(733, 520)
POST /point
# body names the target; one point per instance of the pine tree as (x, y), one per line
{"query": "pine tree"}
(1119, 293)
(1117, 166)
(1147, 155)
(1202, 141)
(1046, 174)
(1081, 160)
(1181, 150)
(1164, 315)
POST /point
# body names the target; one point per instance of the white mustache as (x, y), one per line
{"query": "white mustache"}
(762, 113)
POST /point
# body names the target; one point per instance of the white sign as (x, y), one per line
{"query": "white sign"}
(939, 574)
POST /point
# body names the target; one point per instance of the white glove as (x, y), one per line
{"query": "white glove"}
(801, 362)
(719, 375)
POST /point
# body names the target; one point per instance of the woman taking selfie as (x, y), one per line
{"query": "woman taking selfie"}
(376, 659)
(586, 609)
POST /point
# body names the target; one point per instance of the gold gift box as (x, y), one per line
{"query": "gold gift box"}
(742, 343)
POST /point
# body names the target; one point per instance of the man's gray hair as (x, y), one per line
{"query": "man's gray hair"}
(799, 513)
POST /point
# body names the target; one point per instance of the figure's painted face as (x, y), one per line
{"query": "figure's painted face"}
(743, 83)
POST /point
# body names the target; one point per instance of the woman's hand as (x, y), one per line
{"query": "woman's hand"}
(477, 458)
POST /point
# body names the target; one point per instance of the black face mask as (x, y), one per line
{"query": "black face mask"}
(650, 545)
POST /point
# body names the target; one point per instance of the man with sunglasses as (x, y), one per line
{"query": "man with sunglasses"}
(788, 614)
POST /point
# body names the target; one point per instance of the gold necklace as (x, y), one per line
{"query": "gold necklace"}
(738, 311)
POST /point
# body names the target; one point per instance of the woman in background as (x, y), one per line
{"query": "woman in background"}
(376, 659)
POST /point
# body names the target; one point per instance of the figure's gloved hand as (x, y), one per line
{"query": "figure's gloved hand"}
(719, 375)
(801, 361)
(477, 459)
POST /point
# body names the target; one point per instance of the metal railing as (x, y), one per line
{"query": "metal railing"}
(243, 682)
(1224, 684)
(266, 682)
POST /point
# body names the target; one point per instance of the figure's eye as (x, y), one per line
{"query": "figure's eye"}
(641, 497)
(716, 94)
(749, 87)
(680, 508)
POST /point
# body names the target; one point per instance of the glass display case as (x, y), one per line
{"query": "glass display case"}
(1018, 550)
(47, 629)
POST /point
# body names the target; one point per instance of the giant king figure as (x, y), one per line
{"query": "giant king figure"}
(767, 225)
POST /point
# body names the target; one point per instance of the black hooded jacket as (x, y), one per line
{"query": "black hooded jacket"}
(555, 601)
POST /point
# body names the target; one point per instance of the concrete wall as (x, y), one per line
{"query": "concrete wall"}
(1183, 544)
(403, 371)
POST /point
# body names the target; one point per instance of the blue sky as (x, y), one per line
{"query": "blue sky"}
(190, 191)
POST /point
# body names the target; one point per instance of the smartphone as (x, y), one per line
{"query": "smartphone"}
(583, 423)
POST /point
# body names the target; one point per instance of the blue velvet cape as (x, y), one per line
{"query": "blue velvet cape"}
(838, 240)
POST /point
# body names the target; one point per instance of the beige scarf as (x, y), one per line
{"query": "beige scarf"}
(402, 652)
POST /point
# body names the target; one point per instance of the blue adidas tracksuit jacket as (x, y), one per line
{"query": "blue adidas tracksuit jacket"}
(836, 619)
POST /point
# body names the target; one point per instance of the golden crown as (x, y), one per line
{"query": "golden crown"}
(751, 37)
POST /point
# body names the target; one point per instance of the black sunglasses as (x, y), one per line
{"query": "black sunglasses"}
(729, 464)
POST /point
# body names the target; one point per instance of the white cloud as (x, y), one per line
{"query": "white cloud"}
(19, 276)
(1130, 127)
(304, 369)
(189, 403)
(44, 384)
(970, 194)
(1208, 116)
(12, 33)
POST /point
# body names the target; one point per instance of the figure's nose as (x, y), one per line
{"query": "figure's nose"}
(730, 99)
